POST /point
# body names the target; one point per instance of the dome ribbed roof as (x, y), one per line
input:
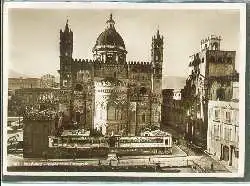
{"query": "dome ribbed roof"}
(110, 36)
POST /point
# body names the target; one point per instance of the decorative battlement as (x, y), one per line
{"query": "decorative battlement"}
(87, 61)
(109, 82)
(211, 43)
(108, 87)
(212, 37)
(108, 91)
(139, 63)
(138, 66)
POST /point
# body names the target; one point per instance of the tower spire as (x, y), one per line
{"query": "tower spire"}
(158, 32)
(110, 22)
(67, 25)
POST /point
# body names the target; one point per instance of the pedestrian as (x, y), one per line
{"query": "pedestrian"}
(99, 163)
(212, 166)
(149, 159)
(45, 155)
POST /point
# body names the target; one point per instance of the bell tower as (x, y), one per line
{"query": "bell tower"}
(157, 61)
(156, 80)
(66, 50)
(157, 51)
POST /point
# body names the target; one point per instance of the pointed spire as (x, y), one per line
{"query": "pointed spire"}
(67, 25)
(110, 22)
(158, 32)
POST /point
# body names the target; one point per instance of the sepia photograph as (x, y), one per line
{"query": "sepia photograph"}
(124, 89)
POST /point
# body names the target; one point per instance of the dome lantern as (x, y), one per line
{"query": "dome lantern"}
(110, 22)
(109, 44)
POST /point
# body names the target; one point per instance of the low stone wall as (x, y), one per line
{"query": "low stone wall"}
(143, 151)
(73, 153)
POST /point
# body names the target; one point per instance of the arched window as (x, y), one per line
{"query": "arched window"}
(215, 46)
(133, 116)
(212, 59)
(229, 60)
(111, 112)
(220, 60)
(118, 114)
(78, 87)
(220, 94)
(77, 116)
(143, 117)
(166, 142)
(143, 90)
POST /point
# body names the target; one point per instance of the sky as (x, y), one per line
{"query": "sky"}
(34, 35)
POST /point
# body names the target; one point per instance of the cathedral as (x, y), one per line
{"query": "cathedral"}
(109, 93)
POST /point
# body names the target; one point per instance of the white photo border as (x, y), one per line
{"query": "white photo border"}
(160, 6)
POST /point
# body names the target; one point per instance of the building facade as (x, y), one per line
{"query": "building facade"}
(116, 96)
(223, 131)
(173, 112)
(19, 83)
(212, 73)
(36, 98)
(48, 81)
(37, 129)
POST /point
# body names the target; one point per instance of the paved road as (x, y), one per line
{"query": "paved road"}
(184, 161)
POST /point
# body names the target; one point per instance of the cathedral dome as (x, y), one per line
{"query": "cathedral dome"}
(109, 38)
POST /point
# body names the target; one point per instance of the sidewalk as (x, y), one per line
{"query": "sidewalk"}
(187, 150)
(225, 164)
(210, 164)
(176, 152)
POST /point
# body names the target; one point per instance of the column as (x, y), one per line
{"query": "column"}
(230, 155)
(221, 152)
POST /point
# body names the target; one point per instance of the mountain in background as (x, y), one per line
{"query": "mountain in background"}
(173, 82)
(168, 82)
(14, 74)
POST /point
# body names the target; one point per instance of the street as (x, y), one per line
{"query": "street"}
(183, 157)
